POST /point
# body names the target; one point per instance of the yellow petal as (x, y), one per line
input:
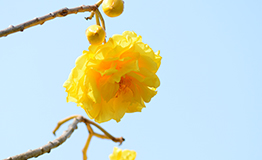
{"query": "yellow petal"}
(146, 77)
(108, 90)
(133, 35)
(121, 41)
(91, 83)
(119, 154)
(147, 62)
(150, 79)
(106, 112)
(93, 112)
(135, 107)
(121, 103)
(136, 99)
(145, 92)
(86, 103)
(128, 155)
(125, 68)
(158, 58)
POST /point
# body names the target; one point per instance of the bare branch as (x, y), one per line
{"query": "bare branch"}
(91, 132)
(120, 140)
(50, 145)
(55, 143)
(41, 20)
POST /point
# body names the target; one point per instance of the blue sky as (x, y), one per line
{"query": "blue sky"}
(208, 106)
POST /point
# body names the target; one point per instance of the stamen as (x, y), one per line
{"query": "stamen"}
(123, 84)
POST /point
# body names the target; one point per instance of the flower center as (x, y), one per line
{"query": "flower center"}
(124, 83)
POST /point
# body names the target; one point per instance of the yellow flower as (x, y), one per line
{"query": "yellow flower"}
(118, 154)
(114, 78)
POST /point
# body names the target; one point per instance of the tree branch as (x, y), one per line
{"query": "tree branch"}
(50, 145)
(41, 20)
(55, 143)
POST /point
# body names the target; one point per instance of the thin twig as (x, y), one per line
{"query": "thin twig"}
(91, 132)
(41, 20)
(50, 145)
(120, 140)
(91, 16)
(55, 143)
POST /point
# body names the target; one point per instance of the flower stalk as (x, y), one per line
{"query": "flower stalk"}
(101, 19)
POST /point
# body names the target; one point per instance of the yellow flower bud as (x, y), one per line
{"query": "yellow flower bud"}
(95, 34)
(113, 8)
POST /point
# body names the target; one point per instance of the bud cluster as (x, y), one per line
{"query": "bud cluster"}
(95, 33)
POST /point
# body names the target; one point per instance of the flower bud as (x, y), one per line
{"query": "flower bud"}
(113, 8)
(95, 34)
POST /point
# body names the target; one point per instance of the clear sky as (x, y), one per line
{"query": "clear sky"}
(208, 106)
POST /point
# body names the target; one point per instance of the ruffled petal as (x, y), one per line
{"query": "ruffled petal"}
(119, 154)
(121, 104)
(114, 78)
(91, 83)
(108, 90)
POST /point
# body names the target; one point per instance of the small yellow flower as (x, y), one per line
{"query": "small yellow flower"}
(114, 78)
(118, 154)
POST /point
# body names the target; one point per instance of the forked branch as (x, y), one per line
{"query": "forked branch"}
(41, 20)
(55, 143)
